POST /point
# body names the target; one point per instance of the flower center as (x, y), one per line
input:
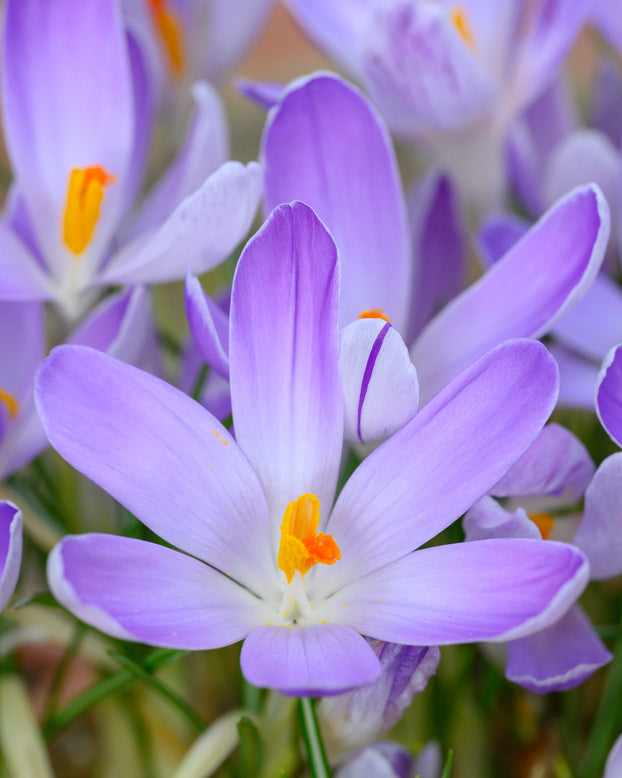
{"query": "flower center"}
(10, 402)
(544, 522)
(460, 20)
(301, 545)
(171, 35)
(374, 313)
(85, 193)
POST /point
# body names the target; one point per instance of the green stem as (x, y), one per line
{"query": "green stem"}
(65, 663)
(608, 719)
(316, 756)
(115, 683)
(251, 697)
(199, 384)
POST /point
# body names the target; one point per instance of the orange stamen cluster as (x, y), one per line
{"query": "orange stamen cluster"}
(544, 522)
(460, 20)
(374, 313)
(85, 193)
(171, 34)
(10, 402)
(302, 546)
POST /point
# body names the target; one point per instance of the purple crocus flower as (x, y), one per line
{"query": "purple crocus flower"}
(453, 76)
(553, 474)
(272, 563)
(310, 157)
(10, 549)
(76, 110)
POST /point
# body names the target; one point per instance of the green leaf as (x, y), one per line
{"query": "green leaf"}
(447, 769)
(312, 737)
(250, 749)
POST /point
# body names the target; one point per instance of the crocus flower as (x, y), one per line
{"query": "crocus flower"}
(386, 759)
(453, 76)
(346, 172)
(272, 563)
(613, 767)
(10, 549)
(552, 475)
(76, 117)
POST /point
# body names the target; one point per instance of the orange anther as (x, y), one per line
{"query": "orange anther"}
(85, 194)
(171, 34)
(374, 313)
(460, 20)
(544, 522)
(10, 402)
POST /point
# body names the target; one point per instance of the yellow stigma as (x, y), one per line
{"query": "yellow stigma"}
(10, 402)
(85, 193)
(460, 20)
(374, 313)
(301, 544)
(544, 522)
(171, 35)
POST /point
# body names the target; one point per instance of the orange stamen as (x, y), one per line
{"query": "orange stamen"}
(171, 34)
(544, 522)
(11, 403)
(85, 193)
(302, 546)
(374, 313)
(460, 20)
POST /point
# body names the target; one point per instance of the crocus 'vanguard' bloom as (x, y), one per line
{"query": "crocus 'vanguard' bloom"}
(272, 563)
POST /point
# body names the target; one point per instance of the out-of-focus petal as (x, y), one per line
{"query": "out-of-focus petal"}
(421, 72)
(495, 590)
(204, 150)
(556, 463)
(308, 661)
(347, 172)
(487, 519)
(10, 549)
(204, 228)
(498, 234)
(577, 379)
(605, 14)
(613, 768)
(524, 294)
(406, 492)
(265, 94)
(558, 657)
(284, 343)
(67, 103)
(595, 325)
(608, 394)
(439, 248)
(21, 276)
(164, 457)
(209, 325)
(607, 98)
(380, 760)
(600, 533)
(135, 590)
(380, 385)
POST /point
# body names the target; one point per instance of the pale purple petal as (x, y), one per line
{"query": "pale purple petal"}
(265, 94)
(498, 234)
(10, 549)
(595, 325)
(608, 394)
(309, 156)
(381, 760)
(21, 275)
(123, 326)
(308, 661)
(135, 590)
(600, 533)
(439, 248)
(550, 28)
(420, 71)
(67, 102)
(407, 491)
(577, 379)
(557, 658)
(204, 228)
(524, 294)
(284, 342)
(204, 150)
(495, 590)
(487, 519)
(613, 768)
(209, 325)
(159, 453)
(354, 720)
(605, 14)
(556, 464)
(380, 385)
(607, 98)
(428, 763)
